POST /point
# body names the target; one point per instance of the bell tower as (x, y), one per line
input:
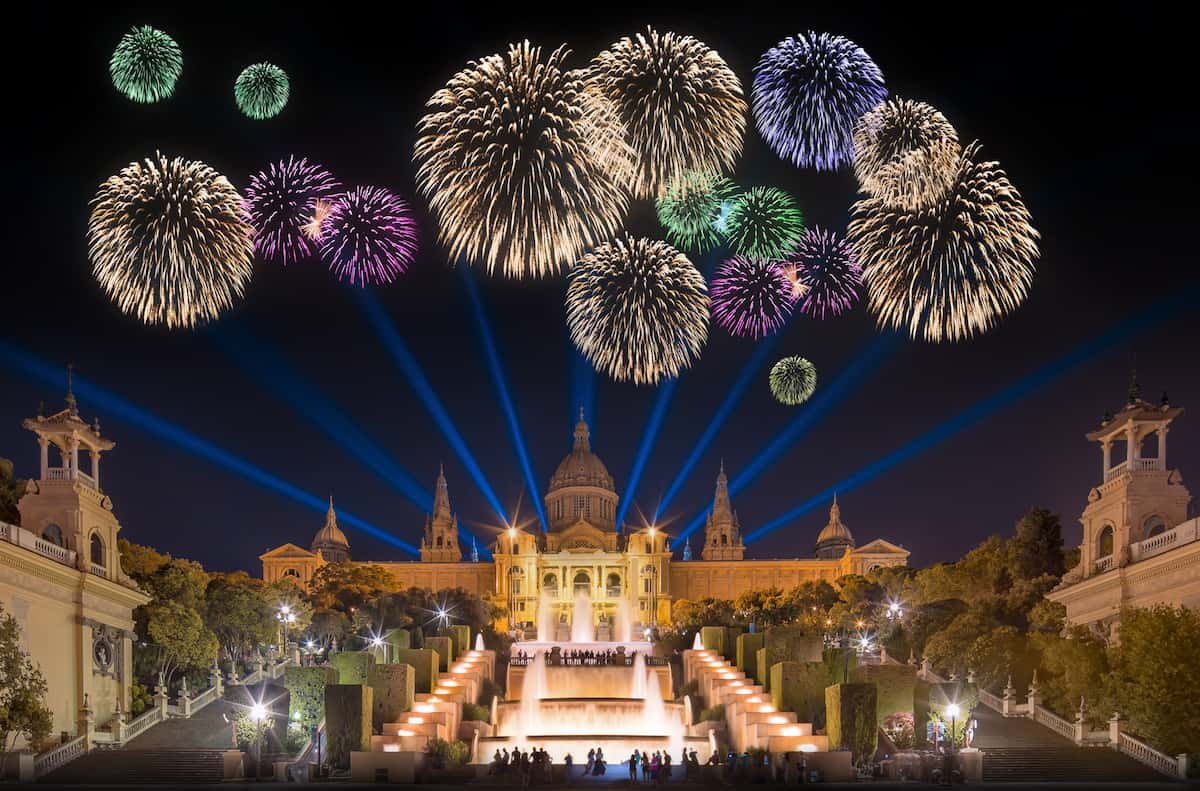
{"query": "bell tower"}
(1138, 496)
(65, 507)
(722, 534)
(440, 542)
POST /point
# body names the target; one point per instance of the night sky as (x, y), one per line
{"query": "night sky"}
(1078, 108)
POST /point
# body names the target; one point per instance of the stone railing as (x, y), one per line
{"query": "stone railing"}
(1115, 471)
(1043, 716)
(1179, 535)
(29, 540)
(58, 474)
(992, 701)
(1105, 563)
(143, 722)
(1146, 754)
(98, 569)
(63, 754)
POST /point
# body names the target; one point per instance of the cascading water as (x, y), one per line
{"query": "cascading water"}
(582, 628)
(698, 644)
(533, 689)
(479, 641)
(547, 619)
(639, 677)
(624, 626)
(655, 714)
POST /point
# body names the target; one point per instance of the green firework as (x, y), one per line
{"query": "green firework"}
(764, 222)
(793, 380)
(690, 209)
(261, 90)
(146, 64)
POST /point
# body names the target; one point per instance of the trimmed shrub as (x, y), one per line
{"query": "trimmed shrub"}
(473, 711)
(747, 652)
(445, 649)
(850, 719)
(792, 644)
(392, 691)
(800, 687)
(352, 666)
(489, 689)
(398, 639)
(714, 714)
(347, 722)
(306, 688)
(893, 687)
(424, 663)
(713, 638)
(460, 633)
(444, 753)
(762, 670)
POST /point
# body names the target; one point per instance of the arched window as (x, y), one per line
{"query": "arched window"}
(291, 573)
(1104, 542)
(53, 533)
(724, 540)
(1153, 526)
(97, 549)
(583, 583)
(614, 584)
(550, 582)
(439, 541)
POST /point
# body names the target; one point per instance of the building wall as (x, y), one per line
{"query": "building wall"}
(478, 578)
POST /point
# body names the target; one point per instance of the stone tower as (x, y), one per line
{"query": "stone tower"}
(722, 535)
(440, 542)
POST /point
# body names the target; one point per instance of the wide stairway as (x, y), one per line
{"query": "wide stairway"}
(1019, 750)
(133, 767)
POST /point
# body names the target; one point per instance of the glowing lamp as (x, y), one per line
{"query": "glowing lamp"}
(755, 699)
(404, 733)
(792, 731)
(807, 748)
(416, 720)
(258, 712)
(391, 748)
(766, 709)
(425, 708)
(953, 710)
(777, 719)
(744, 691)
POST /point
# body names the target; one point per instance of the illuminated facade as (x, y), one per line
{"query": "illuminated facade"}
(583, 551)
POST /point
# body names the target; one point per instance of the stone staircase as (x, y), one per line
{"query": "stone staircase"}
(1019, 750)
(140, 767)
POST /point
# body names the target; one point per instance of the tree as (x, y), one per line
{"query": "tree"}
(996, 654)
(346, 586)
(1070, 667)
(1037, 548)
(948, 649)
(329, 625)
(236, 611)
(1155, 676)
(180, 581)
(180, 637)
(705, 612)
(11, 492)
(22, 690)
(138, 561)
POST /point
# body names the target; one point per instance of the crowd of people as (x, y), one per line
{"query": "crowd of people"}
(579, 657)
(530, 767)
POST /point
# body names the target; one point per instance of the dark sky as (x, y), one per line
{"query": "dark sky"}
(1079, 108)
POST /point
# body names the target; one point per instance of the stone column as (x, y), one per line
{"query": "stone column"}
(96, 468)
(1182, 762)
(185, 700)
(1080, 724)
(1107, 446)
(1162, 446)
(214, 678)
(45, 448)
(73, 444)
(1114, 731)
(163, 700)
(1035, 695)
(1008, 702)
(1130, 446)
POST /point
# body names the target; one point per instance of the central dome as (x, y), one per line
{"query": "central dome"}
(581, 467)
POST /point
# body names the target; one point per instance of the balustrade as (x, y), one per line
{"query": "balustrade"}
(1104, 564)
(98, 569)
(64, 753)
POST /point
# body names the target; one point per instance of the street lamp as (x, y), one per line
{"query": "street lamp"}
(894, 611)
(953, 711)
(286, 619)
(377, 642)
(258, 713)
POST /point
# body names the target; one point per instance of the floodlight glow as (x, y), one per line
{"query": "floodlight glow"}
(498, 379)
(953, 710)
(122, 409)
(649, 434)
(258, 712)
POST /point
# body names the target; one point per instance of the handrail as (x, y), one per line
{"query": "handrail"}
(1044, 716)
(143, 722)
(1147, 755)
(62, 754)
(990, 699)
(204, 698)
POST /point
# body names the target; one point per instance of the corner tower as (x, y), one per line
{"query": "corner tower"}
(1138, 496)
(440, 542)
(722, 534)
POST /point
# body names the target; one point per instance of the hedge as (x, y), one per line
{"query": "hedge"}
(398, 639)
(894, 685)
(392, 691)
(352, 666)
(306, 690)
(747, 652)
(800, 687)
(424, 662)
(460, 633)
(762, 670)
(713, 638)
(791, 644)
(347, 722)
(850, 719)
(445, 649)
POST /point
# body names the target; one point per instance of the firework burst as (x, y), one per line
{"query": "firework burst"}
(524, 166)
(905, 153)
(681, 104)
(169, 241)
(809, 90)
(752, 297)
(951, 270)
(690, 208)
(637, 309)
(826, 273)
(146, 64)
(284, 202)
(261, 90)
(368, 236)
(793, 380)
(763, 222)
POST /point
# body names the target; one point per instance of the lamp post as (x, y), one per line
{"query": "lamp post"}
(378, 642)
(953, 711)
(286, 618)
(513, 573)
(651, 573)
(258, 713)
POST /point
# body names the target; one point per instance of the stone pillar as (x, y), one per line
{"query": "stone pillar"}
(1162, 446)
(214, 678)
(1107, 446)
(1130, 446)
(73, 444)
(1009, 701)
(185, 700)
(1035, 696)
(970, 676)
(1181, 761)
(1080, 724)
(87, 723)
(117, 726)
(161, 693)
(45, 448)
(1114, 731)
(925, 668)
(96, 468)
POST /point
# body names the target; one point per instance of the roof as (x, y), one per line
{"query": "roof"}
(1137, 411)
(835, 532)
(581, 467)
(330, 535)
(287, 551)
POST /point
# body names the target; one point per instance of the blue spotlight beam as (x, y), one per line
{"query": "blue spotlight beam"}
(416, 377)
(825, 399)
(122, 409)
(661, 401)
(498, 379)
(1002, 398)
(583, 389)
(267, 366)
(732, 399)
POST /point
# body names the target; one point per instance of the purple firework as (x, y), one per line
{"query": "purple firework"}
(369, 236)
(751, 297)
(826, 272)
(282, 202)
(809, 91)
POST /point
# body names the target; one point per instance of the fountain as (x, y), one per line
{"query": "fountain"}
(624, 630)
(697, 644)
(582, 628)
(479, 642)
(547, 620)
(639, 678)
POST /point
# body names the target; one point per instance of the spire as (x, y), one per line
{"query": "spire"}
(1166, 402)
(474, 551)
(441, 495)
(722, 510)
(71, 405)
(1135, 391)
(687, 550)
(582, 435)
(331, 515)
(835, 512)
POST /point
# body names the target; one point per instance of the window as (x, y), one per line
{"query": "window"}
(646, 585)
(53, 533)
(550, 582)
(439, 541)
(1153, 526)
(291, 573)
(1104, 542)
(724, 540)
(583, 582)
(614, 585)
(97, 549)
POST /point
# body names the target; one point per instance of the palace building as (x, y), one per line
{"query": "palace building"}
(61, 577)
(1139, 547)
(585, 551)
